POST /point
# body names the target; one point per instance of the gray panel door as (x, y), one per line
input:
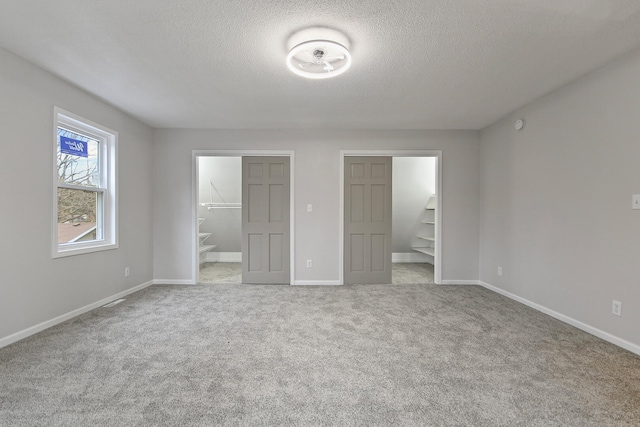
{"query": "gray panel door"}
(265, 220)
(367, 220)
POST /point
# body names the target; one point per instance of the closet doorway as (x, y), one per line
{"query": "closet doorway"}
(232, 243)
(413, 214)
(414, 219)
(219, 208)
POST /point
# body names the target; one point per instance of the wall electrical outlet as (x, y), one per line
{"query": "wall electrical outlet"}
(616, 308)
(126, 272)
(309, 263)
(499, 271)
(635, 201)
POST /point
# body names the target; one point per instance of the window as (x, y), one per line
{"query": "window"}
(84, 186)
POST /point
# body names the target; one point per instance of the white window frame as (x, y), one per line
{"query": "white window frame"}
(107, 212)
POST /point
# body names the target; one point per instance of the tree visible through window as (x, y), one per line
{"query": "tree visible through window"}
(77, 208)
(85, 186)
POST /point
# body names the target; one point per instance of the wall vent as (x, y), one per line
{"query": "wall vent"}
(112, 303)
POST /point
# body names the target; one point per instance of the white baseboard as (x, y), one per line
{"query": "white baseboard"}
(403, 257)
(317, 283)
(70, 315)
(460, 282)
(634, 348)
(224, 256)
(173, 282)
(211, 257)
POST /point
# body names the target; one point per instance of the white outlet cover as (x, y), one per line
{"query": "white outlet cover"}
(616, 308)
(635, 201)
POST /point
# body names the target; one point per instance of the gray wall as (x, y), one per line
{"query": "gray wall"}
(224, 224)
(556, 200)
(34, 287)
(317, 182)
(414, 181)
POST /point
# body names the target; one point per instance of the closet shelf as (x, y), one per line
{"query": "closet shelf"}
(206, 248)
(219, 205)
(429, 238)
(428, 251)
(202, 248)
(431, 203)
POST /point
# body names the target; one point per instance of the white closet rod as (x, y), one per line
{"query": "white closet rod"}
(222, 205)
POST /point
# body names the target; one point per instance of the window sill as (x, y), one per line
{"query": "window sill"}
(71, 250)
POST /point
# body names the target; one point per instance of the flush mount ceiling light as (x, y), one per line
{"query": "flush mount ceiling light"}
(319, 59)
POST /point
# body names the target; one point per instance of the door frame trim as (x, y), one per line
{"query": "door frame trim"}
(437, 262)
(194, 200)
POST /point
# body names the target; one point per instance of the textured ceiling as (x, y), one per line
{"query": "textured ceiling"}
(417, 64)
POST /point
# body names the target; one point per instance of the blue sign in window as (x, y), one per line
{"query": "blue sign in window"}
(73, 147)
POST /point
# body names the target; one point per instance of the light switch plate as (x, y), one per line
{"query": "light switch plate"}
(635, 201)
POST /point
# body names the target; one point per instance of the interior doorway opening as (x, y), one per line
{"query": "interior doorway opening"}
(413, 219)
(229, 189)
(219, 208)
(416, 228)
